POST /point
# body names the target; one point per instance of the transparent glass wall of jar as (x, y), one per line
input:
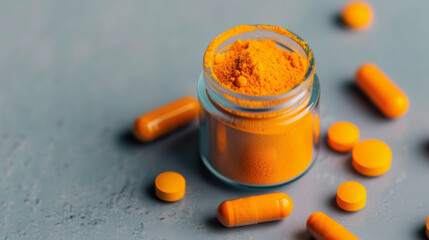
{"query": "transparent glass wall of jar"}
(260, 141)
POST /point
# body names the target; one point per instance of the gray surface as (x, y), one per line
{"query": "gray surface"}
(75, 74)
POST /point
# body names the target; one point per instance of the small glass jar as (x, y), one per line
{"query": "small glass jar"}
(258, 141)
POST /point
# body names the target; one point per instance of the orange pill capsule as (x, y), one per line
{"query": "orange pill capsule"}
(382, 91)
(255, 209)
(165, 119)
(322, 227)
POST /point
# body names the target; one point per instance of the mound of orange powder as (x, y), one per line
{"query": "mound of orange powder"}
(258, 68)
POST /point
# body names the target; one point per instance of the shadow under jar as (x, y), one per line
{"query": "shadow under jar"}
(258, 141)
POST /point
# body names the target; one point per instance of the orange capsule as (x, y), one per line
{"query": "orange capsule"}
(165, 119)
(255, 209)
(322, 227)
(381, 90)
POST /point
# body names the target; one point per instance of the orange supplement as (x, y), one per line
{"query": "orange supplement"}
(427, 227)
(382, 91)
(258, 91)
(170, 186)
(258, 67)
(322, 227)
(343, 136)
(357, 15)
(166, 119)
(351, 196)
(372, 157)
(255, 209)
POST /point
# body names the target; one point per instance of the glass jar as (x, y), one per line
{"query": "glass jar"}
(258, 141)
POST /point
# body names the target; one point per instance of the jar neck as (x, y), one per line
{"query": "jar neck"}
(294, 100)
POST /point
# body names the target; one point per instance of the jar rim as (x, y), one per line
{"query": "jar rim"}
(208, 61)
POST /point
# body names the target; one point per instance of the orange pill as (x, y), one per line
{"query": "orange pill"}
(372, 157)
(381, 90)
(357, 15)
(255, 209)
(343, 136)
(322, 227)
(351, 196)
(166, 119)
(170, 186)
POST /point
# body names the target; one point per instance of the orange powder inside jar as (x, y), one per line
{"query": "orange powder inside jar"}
(258, 149)
(258, 67)
(251, 156)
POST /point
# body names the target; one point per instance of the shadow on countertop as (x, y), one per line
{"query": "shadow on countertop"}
(420, 232)
(362, 101)
(338, 22)
(127, 139)
(425, 149)
(181, 151)
(214, 225)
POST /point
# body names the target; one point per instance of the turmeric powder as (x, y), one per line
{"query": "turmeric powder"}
(259, 68)
(244, 153)
(254, 147)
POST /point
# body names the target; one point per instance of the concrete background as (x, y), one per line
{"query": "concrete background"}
(75, 74)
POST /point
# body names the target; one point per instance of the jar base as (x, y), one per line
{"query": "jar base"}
(253, 186)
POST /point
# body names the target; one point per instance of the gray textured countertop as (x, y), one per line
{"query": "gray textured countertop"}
(75, 74)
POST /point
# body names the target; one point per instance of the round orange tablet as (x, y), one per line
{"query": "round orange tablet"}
(357, 15)
(351, 196)
(343, 136)
(372, 157)
(170, 186)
